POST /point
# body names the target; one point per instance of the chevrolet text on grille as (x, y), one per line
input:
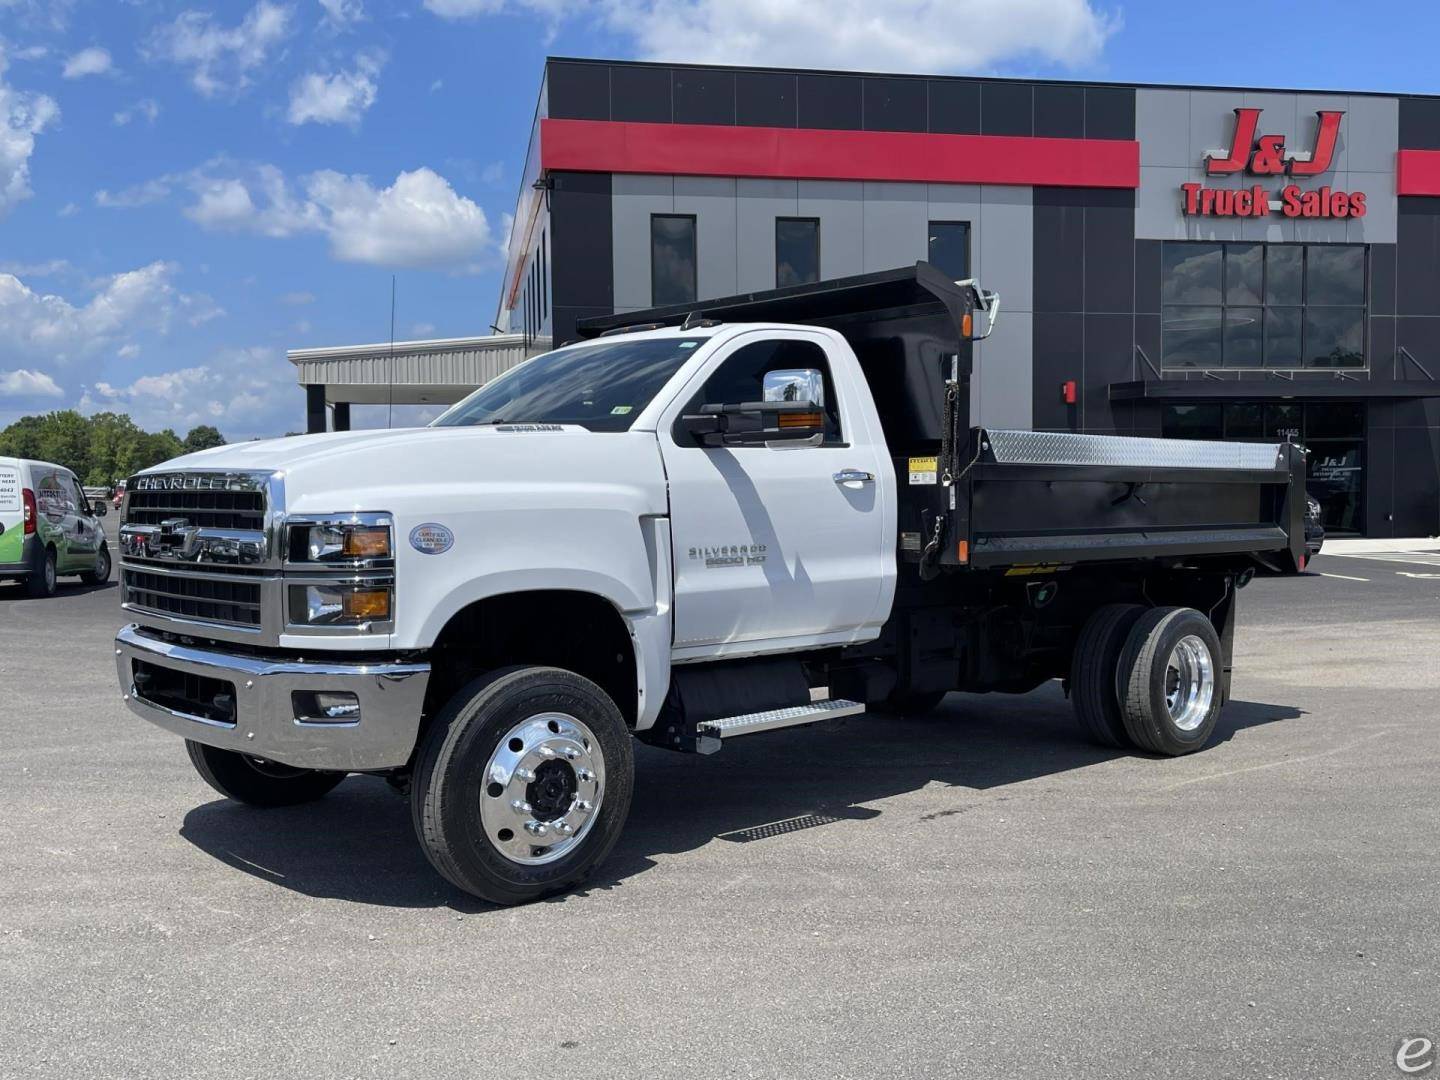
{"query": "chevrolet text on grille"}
(192, 482)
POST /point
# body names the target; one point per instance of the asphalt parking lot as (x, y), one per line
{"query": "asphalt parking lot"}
(975, 893)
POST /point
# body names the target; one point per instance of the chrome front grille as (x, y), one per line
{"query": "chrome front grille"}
(238, 510)
(212, 598)
(203, 550)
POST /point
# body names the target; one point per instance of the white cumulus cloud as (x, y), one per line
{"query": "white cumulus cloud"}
(419, 221)
(221, 58)
(341, 14)
(47, 326)
(147, 109)
(246, 393)
(91, 61)
(898, 35)
(339, 97)
(23, 115)
(25, 383)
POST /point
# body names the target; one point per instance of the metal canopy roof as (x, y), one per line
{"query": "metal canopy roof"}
(410, 372)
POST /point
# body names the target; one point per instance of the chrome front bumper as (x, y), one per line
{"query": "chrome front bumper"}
(391, 697)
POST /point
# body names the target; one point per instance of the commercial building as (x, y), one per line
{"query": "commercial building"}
(1190, 261)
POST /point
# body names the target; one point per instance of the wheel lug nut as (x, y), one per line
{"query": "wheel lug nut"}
(524, 775)
(565, 828)
(520, 806)
(584, 806)
(546, 752)
(586, 775)
(570, 753)
(537, 828)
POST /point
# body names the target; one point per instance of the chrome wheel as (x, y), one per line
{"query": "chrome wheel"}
(1189, 683)
(543, 786)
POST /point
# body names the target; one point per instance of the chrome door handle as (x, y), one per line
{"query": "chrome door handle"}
(854, 476)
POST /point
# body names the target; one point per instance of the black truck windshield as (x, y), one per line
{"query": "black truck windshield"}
(602, 387)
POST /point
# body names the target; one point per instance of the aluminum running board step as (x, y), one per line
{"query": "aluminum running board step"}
(730, 727)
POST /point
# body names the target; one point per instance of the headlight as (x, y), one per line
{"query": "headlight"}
(362, 540)
(339, 605)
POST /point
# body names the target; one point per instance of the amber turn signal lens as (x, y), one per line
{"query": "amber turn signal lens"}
(801, 420)
(367, 543)
(367, 604)
(967, 325)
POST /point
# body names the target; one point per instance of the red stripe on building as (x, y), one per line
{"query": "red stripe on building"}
(811, 154)
(1417, 172)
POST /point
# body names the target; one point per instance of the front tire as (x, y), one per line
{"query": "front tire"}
(523, 784)
(1169, 681)
(257, 782)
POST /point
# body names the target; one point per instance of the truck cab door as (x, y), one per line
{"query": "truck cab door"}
(787, 544)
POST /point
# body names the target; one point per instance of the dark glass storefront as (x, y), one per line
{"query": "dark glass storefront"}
(1332, 432)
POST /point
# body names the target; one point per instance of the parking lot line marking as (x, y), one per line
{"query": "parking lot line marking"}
(1343, 577)
(1276, 764)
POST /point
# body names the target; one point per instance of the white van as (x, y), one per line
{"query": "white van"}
(48, 527)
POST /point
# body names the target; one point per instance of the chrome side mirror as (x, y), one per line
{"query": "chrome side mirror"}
(794, 384)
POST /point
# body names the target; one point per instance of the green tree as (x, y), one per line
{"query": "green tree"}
(203, 438)
(100, 449)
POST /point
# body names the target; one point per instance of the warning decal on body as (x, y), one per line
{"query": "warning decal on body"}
(924, 470)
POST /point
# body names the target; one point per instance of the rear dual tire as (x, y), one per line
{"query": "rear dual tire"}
(1149, 678)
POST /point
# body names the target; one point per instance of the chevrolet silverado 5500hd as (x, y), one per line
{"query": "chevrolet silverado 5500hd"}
(689, 527)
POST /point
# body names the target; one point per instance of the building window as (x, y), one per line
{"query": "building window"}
(797, 251)
(1242, 305)
(672, 259)
(950, 248)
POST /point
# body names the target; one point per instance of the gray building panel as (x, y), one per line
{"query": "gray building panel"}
(1003, 248)
(635, 199)
(758, 204)
(712, 200)
(1002, 387)
(1162, 122)
(840, 206)
(896, 219)
(1371, 131)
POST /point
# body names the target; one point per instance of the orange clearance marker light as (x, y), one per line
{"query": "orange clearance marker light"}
(962, 551)
(800, 419)
(367, 543)
(368, 604)
(967, 324)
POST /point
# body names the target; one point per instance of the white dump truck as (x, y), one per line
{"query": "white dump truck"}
(692, 526)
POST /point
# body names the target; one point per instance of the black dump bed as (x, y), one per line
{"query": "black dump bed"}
(976, 498)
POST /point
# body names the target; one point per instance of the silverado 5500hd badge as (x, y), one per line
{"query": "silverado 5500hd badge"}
(730, 555)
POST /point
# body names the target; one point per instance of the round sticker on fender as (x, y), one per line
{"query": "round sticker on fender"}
(431, 538)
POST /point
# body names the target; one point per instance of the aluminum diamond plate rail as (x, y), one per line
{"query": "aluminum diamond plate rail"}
(1053, 448)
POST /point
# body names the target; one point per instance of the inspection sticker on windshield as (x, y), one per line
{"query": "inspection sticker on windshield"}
(924, 470)
(431, 538)
(621, 410)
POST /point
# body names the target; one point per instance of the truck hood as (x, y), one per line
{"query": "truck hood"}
(274, 454)
(387, 469)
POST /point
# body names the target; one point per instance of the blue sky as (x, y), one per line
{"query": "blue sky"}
(189, 188)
